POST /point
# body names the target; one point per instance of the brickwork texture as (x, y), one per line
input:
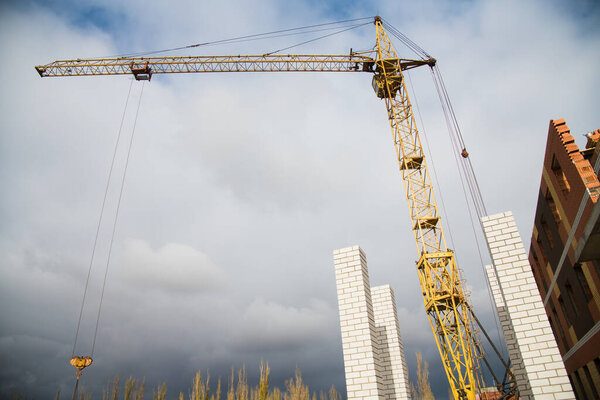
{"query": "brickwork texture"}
(374, 361)
(538, 366)
(393, 369)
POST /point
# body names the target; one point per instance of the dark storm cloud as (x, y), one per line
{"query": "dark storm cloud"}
(239, 187)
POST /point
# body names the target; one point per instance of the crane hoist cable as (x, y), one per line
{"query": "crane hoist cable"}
(112, 237)
(427, 149)
(451, 121)
(464, 166)
(81, 362)
(467, 173)
(470, 184)
(110, 171)
(468, 178)
(458, 142)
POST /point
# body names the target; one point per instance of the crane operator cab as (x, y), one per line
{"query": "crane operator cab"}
(387, 79)
(382, 90)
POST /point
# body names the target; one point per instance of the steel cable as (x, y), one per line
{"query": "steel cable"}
(112, 238)
(319, 38)
(407, 41)
(239, 39)
(466, 172)
(467, 177)
(428, 150)
(112, 164)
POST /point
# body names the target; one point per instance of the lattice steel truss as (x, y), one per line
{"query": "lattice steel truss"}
(445, 301)
(144, 67)
(443, 295)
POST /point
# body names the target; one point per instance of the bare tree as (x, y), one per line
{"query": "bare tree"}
(423, 385)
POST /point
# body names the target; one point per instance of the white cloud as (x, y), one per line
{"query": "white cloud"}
(269, 326)
(173, 267)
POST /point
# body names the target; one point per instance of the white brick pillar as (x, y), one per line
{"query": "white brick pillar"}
(357, 324)
(508, 332)
(538, 366)
(392, 364)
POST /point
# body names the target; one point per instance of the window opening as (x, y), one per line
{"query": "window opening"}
(553, 328)
(552, 206)
(587, 293)
(546, 229)
(542, 253)
(596, 267)
(560, 328)
(580, 384)
(571, 298)
(564, 310)
(573, 385)
(586, 371)
(563, 183)
(597, 365)
(541, 272)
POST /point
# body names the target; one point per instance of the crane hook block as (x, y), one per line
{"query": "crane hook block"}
(81, 362)
(464, 153)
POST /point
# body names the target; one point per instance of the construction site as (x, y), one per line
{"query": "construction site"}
(303, 187)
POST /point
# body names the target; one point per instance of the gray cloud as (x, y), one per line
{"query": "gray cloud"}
(268, 326)
(174, 267)
(240, 186)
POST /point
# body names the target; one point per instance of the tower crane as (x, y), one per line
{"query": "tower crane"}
(444, 298)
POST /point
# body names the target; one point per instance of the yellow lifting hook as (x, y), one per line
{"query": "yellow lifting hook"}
(80, 363)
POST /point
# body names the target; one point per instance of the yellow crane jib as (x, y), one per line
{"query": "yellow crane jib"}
(144, 67)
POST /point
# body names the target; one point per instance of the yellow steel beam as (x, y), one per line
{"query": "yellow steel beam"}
(443, 296)
(147, 66)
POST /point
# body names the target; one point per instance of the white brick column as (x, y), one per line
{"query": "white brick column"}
(357, 324)
(538, 366)
(393, 369)
(517, 365)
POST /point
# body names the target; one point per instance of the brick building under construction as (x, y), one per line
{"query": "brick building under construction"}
(565, 253)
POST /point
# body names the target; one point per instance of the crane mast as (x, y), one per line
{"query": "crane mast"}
(443, 296)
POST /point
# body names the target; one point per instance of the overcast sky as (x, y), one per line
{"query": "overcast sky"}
(240, 186)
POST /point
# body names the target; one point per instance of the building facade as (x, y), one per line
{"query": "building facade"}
(565, 253)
